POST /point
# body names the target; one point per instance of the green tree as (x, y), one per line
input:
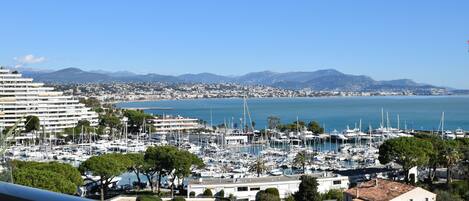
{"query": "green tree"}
(158, 159)
(405, 151)
(442, 195)
(231, 197)
(137, 165)
(83, 126)
(91, 102)
(290, 198)
(207, 193)
(181, 165)
(463, 168)
(53, 176)
(334, 194)
(308, 189)
(258, 166)
(450, 157)
(295, 126)
(111, 121)
(273, 191)
(221, 193)
(434, 155)
(150, 172)
(169, 161)
(136, 118)
(32, 123)
(107, 167)
(301, 159)
(314, 127)
(270, 194)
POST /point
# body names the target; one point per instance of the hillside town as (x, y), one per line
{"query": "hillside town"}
(121, 91)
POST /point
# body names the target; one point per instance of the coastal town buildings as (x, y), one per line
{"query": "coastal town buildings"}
(119, 91)
(21, 97)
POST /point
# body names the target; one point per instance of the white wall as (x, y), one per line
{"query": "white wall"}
(285, 188)
(416, 194)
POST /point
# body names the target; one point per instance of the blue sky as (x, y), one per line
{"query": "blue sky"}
(422, 40)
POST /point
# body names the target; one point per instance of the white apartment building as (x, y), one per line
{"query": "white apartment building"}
(21, 97)
(247, 188)
(168, 124)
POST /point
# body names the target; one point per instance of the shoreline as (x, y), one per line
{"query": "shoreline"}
(282, 97)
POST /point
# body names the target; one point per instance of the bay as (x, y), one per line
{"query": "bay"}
(417, 112)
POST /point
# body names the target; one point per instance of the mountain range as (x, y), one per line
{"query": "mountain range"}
(328, 79)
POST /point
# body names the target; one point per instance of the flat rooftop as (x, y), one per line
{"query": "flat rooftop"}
(283, 178)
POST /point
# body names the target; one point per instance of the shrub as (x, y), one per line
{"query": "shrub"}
(221, 194)
(231, 197)
(446, 196)
(290, 198)
(178, 199)
(207, 193)
(272, 191)
(192, 194)
(459, 187)
(333, 194)
(270, 194)
(148, 198)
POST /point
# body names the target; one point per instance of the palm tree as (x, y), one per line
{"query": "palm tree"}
(258, 167)
(302, 158)
(450, 157)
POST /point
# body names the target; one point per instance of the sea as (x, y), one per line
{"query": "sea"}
(413, 112)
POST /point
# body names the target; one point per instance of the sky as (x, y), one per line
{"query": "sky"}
(426, 41)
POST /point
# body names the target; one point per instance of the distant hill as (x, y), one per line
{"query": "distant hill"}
(72, 75)
(204, 78)
(328, 79)
(115, 74)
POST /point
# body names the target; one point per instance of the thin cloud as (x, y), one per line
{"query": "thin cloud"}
(28, 59)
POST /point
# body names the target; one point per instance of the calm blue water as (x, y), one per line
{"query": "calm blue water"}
(417, 112)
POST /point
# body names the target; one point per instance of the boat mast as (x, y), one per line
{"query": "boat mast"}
(387, 120)
(211, 119)
(442, 123)
(382, 117)
(244, 114)
(398, 122)
(249, 114)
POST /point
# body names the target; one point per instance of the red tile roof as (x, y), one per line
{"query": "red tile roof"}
(379, 190)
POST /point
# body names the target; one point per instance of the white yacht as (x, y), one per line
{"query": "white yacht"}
(449, 135)
(335, 134)
(459, 133)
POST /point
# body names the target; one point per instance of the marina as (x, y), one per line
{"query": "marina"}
(239, 148)
(229, 149)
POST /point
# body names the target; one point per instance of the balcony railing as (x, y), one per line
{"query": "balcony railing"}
(14, 192)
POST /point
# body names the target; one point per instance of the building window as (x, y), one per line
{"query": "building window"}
(255, 188)
(337, 182)
(244, 188)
